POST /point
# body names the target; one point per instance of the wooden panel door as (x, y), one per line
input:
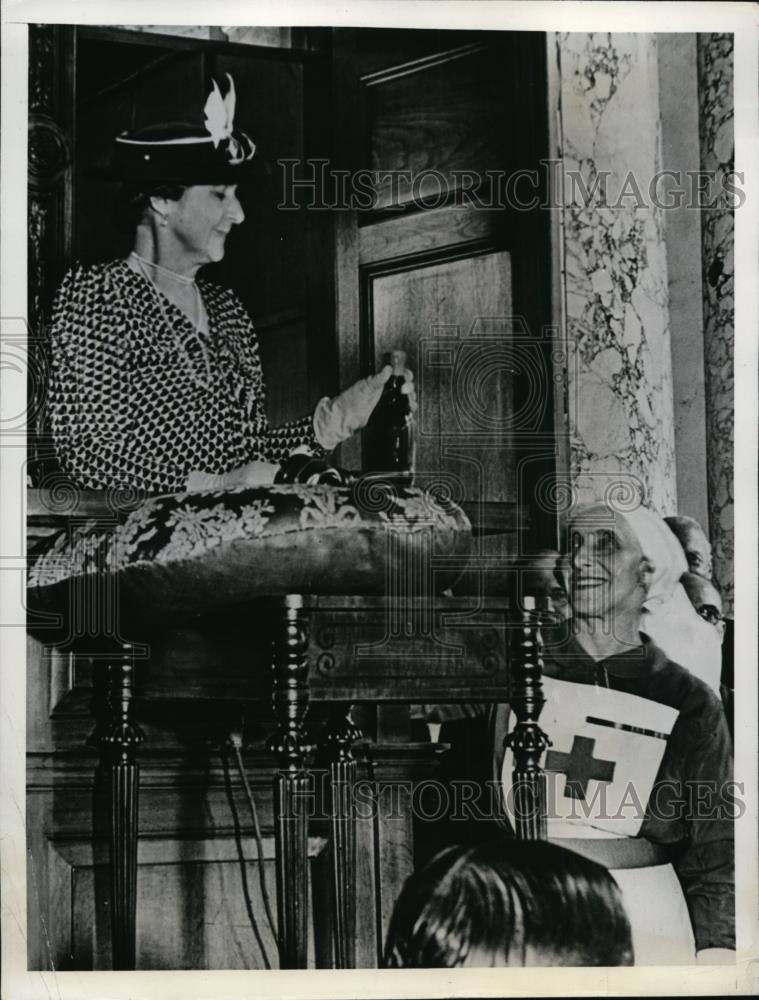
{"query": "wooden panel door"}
(441, 313)
(443, 266)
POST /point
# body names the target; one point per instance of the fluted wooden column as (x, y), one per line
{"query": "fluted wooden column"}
(291, 783)
(117, 738)
(341, 733)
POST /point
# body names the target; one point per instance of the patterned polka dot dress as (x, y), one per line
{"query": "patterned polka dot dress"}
(139, 398)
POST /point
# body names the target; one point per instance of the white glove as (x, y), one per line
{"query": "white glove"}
(337, 419)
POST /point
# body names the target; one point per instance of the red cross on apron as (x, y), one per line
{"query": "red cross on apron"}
(606, 750)
(579, 766)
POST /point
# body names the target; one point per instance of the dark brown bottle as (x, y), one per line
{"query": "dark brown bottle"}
(390, 432)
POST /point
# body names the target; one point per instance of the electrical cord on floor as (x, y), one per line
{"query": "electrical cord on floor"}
(241, 854)
(236, 743)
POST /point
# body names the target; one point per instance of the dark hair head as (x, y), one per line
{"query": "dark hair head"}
(509, 903)
(134, 200)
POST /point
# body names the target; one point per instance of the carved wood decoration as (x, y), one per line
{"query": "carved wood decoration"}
(527, 740)
(50, 152)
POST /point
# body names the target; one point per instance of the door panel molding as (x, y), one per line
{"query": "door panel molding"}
(425, 62)
(393, 239)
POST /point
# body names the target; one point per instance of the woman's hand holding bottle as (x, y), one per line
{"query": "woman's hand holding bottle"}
(337, 419)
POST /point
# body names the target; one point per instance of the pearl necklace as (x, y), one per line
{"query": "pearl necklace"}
(171, 326)
(182, 278)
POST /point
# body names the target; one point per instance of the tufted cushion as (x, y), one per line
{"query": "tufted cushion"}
(192, 552)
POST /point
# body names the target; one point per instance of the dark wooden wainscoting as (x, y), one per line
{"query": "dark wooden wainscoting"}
(199, 900)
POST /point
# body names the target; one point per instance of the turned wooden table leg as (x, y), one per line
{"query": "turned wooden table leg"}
(291, 781)
(340, 734)
(527, 740)
(117, 737)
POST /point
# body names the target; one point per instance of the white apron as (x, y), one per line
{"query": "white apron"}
(605, 753)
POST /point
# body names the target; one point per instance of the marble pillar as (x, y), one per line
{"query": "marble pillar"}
(621, 421)
(715, 77)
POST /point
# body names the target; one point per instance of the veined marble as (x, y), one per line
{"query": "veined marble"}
(715, 73)
(621, 409)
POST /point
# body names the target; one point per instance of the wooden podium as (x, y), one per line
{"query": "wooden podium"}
(338, 652)
(303, 650)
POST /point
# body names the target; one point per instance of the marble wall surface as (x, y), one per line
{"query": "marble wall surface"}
(621, 421)
(715, 72)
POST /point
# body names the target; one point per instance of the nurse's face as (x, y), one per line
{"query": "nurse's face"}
(200, 221)
(605, 564)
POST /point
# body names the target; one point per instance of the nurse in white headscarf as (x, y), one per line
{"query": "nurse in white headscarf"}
(669, 617)
(668, 614)
(632, 733)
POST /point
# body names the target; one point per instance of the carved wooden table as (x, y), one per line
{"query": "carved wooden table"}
(340, 651)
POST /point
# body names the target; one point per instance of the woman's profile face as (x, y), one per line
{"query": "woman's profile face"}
(200, 220)
(605, 565)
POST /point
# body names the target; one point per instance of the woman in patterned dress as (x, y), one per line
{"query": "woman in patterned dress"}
(156, 380)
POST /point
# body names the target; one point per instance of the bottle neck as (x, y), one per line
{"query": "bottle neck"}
(394, 398)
